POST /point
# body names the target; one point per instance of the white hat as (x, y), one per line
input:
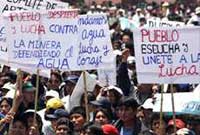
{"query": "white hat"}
(185, 131)
(117, 89)
(10, 94)
(117, 52)
(148, 104)
(9, 86)
(131, 59)
(138, 10)
(52, 93)
(165, 4)
(197, 10)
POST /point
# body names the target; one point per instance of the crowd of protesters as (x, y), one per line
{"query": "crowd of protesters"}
(124, 109)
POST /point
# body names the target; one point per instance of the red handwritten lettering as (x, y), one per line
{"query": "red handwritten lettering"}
(62, 14)
(25, 16)
(159, 35)
(177, 71)
(33, 29)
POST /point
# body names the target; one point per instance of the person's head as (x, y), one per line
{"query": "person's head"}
(113, 94)
(28, 92)
(127, 109)
(179, 124)
(155, 124)
(19, 127)
(64, 126)
(55, 80)
(109, 129)
(102, 116)
(33, 129)
(91, 129)
(70, 83)
(51, 106)
(185, 131)
(78, 117)
(5, 105)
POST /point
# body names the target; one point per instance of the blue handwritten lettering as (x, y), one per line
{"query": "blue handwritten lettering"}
(89, 61)
(92, 34)
(88, 49)
(50, 63)
(92, 20)
(65, 29)
(106, 50)
(2, 32)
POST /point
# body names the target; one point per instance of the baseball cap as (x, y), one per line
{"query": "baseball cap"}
(128, 102)
(197, 10)
(8, 86)
(109, 129)
(28, 86)
(117, 89)
(54, 103)
(52, 93)
(101, 102)
(71, 78)
(179, 123)
(148, 104)
(185, 131)
(58, 114)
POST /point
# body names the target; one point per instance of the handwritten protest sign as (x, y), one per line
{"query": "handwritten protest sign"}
(79, 89)
(94, 47)
(108, 76)
(3, 45)
(167, 55)
(159, 23)
(182, 106)
(16, 5)
(58, 39)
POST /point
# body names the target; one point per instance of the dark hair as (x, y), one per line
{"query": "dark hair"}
(129, 102)
(38, 118)
(106, 112)
(94, 129)
(65, 121)
(57, 75)
(90, 96)
(22, 120)
(8, 100)
(79, 110)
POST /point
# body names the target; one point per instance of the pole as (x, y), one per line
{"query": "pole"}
(36, 98)
(18, 87)
(161, 112)
(173, 107)
(86, 96)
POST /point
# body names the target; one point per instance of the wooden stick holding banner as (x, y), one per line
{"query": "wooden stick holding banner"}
(161, 112)
(18, 91)
(173, 107)
(86, 96)
(36, 97)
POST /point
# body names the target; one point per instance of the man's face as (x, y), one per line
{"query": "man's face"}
(62, 130)
(78, 121)
(29, 96)
(127, 113)
(18, 129)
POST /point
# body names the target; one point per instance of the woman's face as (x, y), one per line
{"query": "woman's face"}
(18, 129)
(101, 118)
(111, 97)
(4, 107)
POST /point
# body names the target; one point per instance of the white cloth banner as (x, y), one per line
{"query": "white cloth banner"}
(185, 103)
(159, 23)
(167, 55)
(58, 39)
(16, 5)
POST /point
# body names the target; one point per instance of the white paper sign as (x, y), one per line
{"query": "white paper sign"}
(58, 39)
(16, 5)
(158, 23)
(79, 89)
(167, 55)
